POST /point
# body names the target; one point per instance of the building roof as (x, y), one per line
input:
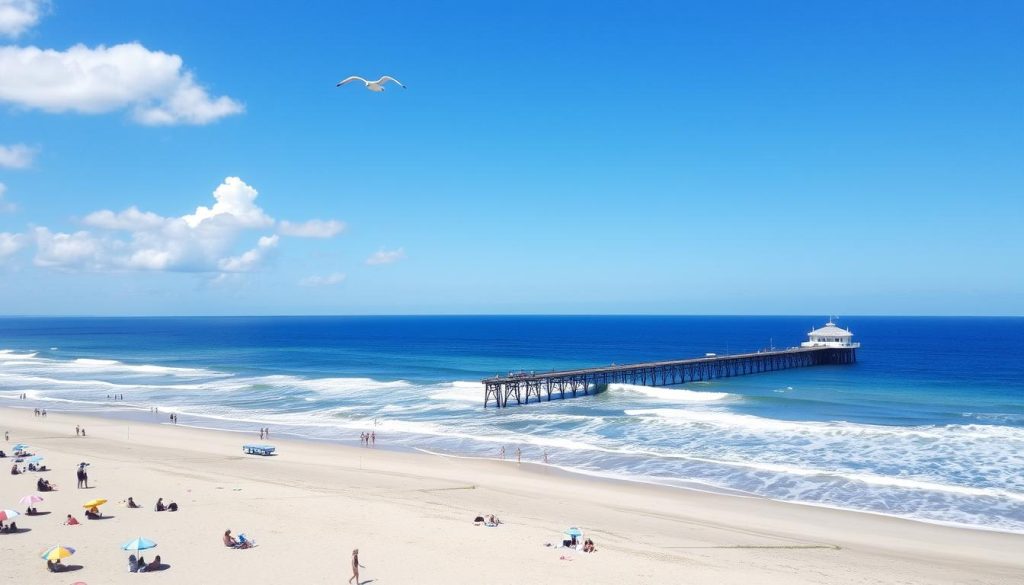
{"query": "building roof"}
(831, 330)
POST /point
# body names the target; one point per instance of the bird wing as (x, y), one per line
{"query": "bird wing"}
(389, 78)
(348, 79)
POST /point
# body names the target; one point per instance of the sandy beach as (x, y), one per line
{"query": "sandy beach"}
(411, 516)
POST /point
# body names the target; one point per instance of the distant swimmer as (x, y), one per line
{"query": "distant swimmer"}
(377, 85)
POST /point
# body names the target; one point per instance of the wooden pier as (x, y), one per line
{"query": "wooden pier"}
(520, 387)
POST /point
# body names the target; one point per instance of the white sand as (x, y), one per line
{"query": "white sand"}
(411, 517)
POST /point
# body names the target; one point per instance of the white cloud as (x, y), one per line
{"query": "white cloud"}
(4, 205)
(252, 258)
(10, 243)
(315, 228)
(80, 249)
(386, 256)
(130, 219)
(326, 280)
(205, 240)
(17, 16)
(154, 84)
(236, 201)
(16, 156)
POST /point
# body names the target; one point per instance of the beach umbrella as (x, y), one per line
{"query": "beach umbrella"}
(20, 447)
(57, 553)
(35, 459)
(8, 514)
(574, 532)
(94, 503)
(138, 544)
(30, 499)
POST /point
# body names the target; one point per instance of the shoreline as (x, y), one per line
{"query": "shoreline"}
(422, 506)
(137, 414)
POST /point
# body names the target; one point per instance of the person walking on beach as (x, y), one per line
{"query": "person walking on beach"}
(502, 452)
(373, 438)
(77, 431)
(355, 566)
(519, 455)
(261, 433)
(81, 476)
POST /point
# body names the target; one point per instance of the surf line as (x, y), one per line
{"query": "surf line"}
(777, 546)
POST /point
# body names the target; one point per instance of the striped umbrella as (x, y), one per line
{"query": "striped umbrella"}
(8, 514)
(30, 499)
(57, 553)
(138, 544)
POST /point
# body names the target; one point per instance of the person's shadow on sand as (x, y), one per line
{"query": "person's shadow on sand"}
(18, 531)
(69, 568)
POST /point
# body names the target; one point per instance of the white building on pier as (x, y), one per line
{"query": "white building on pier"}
(831, 335)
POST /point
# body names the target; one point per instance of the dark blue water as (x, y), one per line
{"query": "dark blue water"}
(929, 424)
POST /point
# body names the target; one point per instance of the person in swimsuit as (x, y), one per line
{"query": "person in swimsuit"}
(355, 566)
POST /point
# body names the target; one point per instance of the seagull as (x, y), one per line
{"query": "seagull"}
(371, 85)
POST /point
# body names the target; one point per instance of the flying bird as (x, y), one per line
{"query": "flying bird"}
(377, 85)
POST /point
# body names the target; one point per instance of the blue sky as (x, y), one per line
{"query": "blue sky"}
(571, 157)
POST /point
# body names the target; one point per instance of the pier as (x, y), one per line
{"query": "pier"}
(829, 345)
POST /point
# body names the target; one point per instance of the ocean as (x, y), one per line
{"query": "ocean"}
(927, 425)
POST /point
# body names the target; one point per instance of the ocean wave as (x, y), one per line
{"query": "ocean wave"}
(460, 391)
(670, 394)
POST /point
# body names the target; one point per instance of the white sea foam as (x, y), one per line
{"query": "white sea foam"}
(460, 392)
(670, 394)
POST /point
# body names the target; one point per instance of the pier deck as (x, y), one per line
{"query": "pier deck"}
(519, 387)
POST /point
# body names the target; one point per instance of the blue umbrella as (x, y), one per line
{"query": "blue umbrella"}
(574, 532)
(20, 447)
(138, 544)
(35, 459)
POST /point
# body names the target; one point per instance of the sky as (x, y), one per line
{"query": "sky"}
(196, 158)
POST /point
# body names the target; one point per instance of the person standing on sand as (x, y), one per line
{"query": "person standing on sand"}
(77, 431)
(261, 433)
(355, 566)
(502, 453)
(373, 438)
(519, 455)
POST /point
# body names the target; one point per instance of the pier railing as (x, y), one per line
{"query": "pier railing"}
(520, 387)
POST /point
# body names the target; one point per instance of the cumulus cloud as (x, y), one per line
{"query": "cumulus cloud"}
(383, 256)
(5, 206)
(154, 85)
(16, 156)
(205, 240)
(326, 280)
(315, 228)
(10, 243)
(250, 259)
(17, 16)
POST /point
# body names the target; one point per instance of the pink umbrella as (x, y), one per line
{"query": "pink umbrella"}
(30, 499)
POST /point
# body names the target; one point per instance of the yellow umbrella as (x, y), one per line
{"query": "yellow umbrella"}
(94, 503)
(58, 552)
